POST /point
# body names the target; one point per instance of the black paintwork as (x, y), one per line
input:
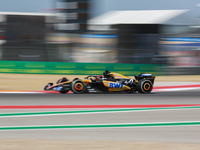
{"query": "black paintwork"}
(97, 86)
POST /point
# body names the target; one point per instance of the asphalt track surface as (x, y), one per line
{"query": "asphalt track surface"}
(182, 97)
(154, 125)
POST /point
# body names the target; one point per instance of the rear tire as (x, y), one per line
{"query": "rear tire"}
(144, 86)
(78, 86)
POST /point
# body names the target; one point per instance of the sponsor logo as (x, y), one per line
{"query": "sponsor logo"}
(147, 75)
(116, 85)
(88, 86)
(58, 88)
(129, 81)
(118, 76)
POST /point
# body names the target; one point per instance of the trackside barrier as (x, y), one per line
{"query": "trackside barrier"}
(71, 68)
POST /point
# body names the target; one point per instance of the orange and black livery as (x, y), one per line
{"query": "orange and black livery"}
(109, 82)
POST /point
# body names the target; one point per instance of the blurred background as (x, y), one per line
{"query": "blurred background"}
(161, 33)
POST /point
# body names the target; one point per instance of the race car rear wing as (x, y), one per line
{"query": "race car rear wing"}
(145, 76)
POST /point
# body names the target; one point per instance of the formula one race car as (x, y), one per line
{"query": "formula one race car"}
(108, 83)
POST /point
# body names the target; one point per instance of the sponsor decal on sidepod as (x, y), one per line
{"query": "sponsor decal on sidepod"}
(58, 88)
(116, 85)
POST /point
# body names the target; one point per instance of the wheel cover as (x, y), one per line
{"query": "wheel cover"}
(147, 86)
(78, 86)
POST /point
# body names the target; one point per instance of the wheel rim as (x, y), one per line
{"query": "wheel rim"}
(147, 86)
(78, 86)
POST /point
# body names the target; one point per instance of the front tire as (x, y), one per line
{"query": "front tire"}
(78, 86)
(144, 86)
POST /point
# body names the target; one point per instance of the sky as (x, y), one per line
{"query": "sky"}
(102, 6)
(26, 5)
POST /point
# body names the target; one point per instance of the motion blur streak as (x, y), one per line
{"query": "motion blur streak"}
(43, 41)
(86, 126)
(94, 106)
(29, 114)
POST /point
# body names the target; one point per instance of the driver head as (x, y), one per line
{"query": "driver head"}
(106, 73)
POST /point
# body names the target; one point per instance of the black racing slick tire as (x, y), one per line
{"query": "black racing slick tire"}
(78, 86)
(144, 86)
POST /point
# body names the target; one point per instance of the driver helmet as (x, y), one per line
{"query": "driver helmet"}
(106, 73)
